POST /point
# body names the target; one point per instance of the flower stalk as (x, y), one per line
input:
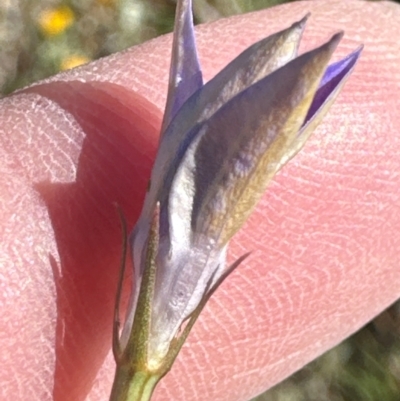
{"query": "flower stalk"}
(221, 144)
(133, 386)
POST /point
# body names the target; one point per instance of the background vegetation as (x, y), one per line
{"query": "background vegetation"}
(40, 38)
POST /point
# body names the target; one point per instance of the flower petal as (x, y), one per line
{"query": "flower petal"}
(185, 74)
(180, 292)
(249, 67)
(333, 79)
(331, 84)
(184, 80)
(237, 152)
(184, 270)
(223, 172)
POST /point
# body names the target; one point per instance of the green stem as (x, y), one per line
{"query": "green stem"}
(129, 386)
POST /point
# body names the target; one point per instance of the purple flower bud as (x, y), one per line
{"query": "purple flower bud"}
(221, 144)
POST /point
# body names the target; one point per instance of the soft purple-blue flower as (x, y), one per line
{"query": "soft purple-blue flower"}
(221, 143)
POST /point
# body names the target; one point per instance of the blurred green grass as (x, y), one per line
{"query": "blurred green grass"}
(40, 38)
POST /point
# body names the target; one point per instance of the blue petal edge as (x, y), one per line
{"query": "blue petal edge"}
(334, 74)
(185, 73)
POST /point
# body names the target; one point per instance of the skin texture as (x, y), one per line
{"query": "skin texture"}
(325, 237)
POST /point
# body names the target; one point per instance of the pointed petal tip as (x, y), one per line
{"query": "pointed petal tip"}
(358, 51)
(343, 66)
(330, 46)
(301, 23)
(295, 32)
(351, 59)
(334, 78)
(335, 39)
(185, 72)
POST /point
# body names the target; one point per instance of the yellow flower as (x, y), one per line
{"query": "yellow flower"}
(54, 21)
(73, 61)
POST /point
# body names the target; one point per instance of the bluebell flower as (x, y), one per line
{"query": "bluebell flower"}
(221, 144)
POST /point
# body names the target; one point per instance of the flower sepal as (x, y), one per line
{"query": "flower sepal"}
(135, 378)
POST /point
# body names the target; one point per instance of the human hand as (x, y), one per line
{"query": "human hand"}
(325, 238)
